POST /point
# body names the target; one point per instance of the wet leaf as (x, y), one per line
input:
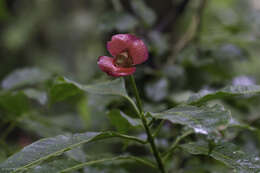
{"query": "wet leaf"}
(54, 166)
(207, 95)
(114, 87)
(49, 147)
(121, 121)
(112, 160)
(203, 120)
(64, 88)
(41, 129)
(227, 153)
(39, 96)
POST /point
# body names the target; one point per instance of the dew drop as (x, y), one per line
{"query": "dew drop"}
(200, 130)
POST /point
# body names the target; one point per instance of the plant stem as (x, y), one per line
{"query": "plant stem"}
(158, 128)
(146, 127)
(136, 93)
(168, 153)
(153, 146)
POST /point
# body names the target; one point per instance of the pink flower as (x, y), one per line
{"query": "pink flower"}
(128, 51)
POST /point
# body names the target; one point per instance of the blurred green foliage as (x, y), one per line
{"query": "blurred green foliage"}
(194, 46)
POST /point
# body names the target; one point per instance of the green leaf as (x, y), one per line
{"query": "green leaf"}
(132, 121)
(54, 166)
(227, 153)
(115, 87)
(50, 147)
(118, 121)
(111, 159)
(207, 95)
(64, 88)
(202, 120)
(44, 149)
(39, 128)
(84, 111)
(39, 96)
(23, 77)
(77, 154)
(62, 165)
(121, 121)
(15, 103)
(235, 123)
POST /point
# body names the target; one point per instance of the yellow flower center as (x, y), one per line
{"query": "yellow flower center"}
(123, 60)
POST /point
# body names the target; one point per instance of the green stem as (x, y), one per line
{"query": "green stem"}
(168, 153)
(158, 128)
(132, 104)
(136, 93)
(146, 127)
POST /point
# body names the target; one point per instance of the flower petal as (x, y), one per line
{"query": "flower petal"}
(138, 51)
(106, 64)
(130, 43)
(118, 44)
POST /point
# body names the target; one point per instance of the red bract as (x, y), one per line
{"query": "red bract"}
(128, 51)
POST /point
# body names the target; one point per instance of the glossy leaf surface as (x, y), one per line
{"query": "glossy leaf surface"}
(227, 153)
(207, 95)
(202, 120)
